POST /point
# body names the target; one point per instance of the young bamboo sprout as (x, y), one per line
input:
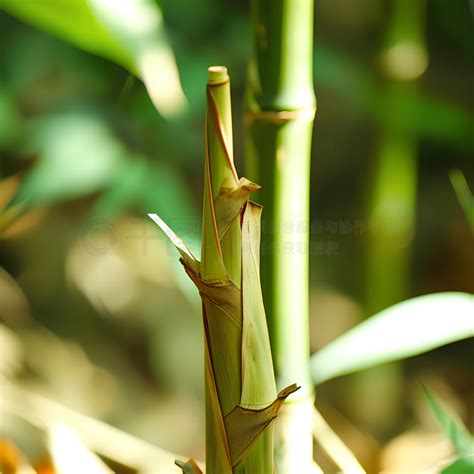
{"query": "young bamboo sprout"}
(241, 397)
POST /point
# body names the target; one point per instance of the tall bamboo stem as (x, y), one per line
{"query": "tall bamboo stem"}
(280, 113)
(393, 189)
(391, 209)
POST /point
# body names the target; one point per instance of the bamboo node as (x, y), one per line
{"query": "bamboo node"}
(305, 114)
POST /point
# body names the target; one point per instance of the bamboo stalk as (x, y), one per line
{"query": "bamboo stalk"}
(391, 213)
(241, 396)
(392, 202)
(280, 113)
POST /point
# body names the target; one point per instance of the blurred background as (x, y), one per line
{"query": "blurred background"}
(96, 312)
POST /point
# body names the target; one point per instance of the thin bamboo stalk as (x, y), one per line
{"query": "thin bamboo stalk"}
(280, 113)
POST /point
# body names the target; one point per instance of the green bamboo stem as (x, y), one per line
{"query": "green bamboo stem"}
(280, 112)
(391, 213)
(392, 203)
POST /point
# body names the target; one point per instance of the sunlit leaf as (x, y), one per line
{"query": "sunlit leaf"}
(404, 330)
(129, 32)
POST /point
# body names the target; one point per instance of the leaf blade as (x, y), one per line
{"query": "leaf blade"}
(463, 193)
(403, 330)
(130, 33)
(450, 424)
(464, 465)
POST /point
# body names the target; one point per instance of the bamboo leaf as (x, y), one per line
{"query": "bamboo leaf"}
(451, 425)
(463, 193)
(404, 330)
(464, 465)
(129, 32)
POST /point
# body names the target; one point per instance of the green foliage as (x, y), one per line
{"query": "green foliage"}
(134, 186)
(72, 20)
(41, 74)
(456, 432)
(9, 118)
(77, 155)
(465, 198)
(130, 32)
(451, 425)
(463, 465)
(406, 329)
(409, 111)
